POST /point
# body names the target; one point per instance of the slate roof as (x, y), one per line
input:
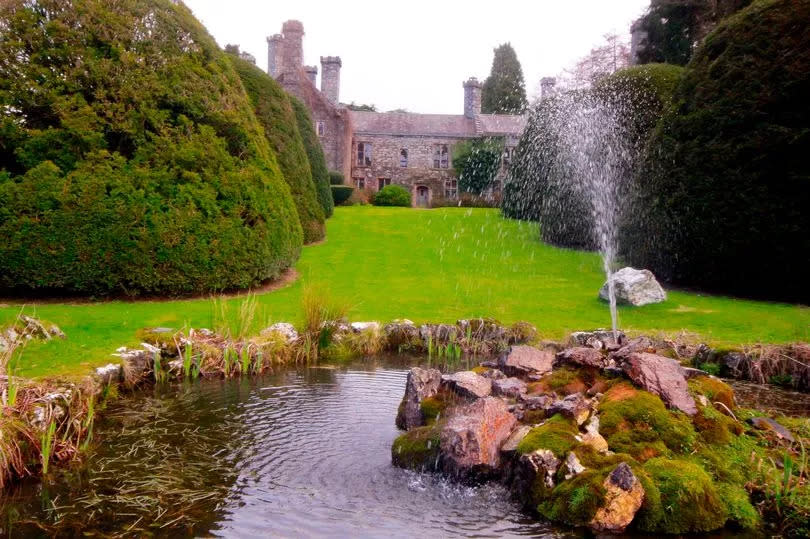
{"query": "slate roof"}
(437, 125)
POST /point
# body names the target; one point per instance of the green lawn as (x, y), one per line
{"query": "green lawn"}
(426, 265)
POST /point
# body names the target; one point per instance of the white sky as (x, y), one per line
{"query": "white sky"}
(414, 54)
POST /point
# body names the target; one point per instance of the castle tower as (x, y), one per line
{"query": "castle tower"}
(274, 47)
(330, 78)
(472, 97)
(312, 73)
(292, 46)
(547, 85)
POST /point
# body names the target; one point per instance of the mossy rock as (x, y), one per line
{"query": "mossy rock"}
(164, 338)
(715, 427)
(557, 435)
(713, 389)
(522, 333)
(690, 502)
(576, 500)
(417, 449)
(638, 423)
(433, 408)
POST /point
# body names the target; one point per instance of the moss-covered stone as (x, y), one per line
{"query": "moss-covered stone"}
(557, 435)
(165, 338)
(690, 502)
(714, 427)
(576, 500)
(713, 389)
(433, 408)
(417, 449)
(638, 423)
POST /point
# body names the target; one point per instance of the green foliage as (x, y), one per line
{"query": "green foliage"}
(504, 91)
(576, 500)
(335, 178)
(556, 435)
(689, 500)
(727, 167)
(341, 193)
(476, 162)
(131, 165)
(317, 160)
(275, 113)
(638, 423)
(392, 195)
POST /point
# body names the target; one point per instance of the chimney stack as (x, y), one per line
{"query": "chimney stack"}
(292, 46)
(312, 73)
(472, 97)
(330, 78)
(275, 44)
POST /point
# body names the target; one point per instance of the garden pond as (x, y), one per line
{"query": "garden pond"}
(301, 452)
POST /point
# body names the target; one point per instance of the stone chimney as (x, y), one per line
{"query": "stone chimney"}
(472, 97)
(292, 46)
(312, 73)
(275, 45)
(330, 78)
(547, 85)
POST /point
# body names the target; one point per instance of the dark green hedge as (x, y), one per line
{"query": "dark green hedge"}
(317, 161)
(274, 111)
(727, 188)
(341, 193)
(392, 195)
(131, 159)
(335, 178)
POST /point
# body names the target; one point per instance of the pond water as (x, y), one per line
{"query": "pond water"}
(302, 452)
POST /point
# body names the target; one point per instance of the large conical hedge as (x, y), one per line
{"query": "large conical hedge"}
(727, 191)
(317, 161)
(275, 112)
(131, 159)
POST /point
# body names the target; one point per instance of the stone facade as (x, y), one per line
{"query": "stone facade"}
(374, 149)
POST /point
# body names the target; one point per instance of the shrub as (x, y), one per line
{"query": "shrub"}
(274, 111)
(341, 193)
(476, 162)
(317, 160)
(392, 195)
(335, 178)
(166, 186)
(727, 168)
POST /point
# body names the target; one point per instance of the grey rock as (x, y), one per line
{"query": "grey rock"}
(766, 423)
(582, 356)
(598, 338)
(573, 466)
(634, 287)
(517, 435)
(575, 406)
(542, 463)
(661, 376)
(286, 330)
(508, 387)
(493, 374)
(421, 384)
(468, 384)
(536, 402)
(521, 360)
(359, 327)
(110, 373)
(639, 344)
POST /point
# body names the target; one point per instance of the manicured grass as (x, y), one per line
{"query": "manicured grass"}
(426, 265)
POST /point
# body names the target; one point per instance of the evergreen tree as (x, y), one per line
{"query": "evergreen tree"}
(504, 90)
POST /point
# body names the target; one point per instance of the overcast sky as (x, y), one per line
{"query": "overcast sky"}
(414, 54)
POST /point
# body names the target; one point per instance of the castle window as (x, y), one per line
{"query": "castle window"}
(441, 157)
(450, 188)
(363, 154)
(320, 127)
(403, 158)
(382, 182)
(360, 183)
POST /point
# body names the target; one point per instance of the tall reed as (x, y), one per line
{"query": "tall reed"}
(46, 446)
(321, 316)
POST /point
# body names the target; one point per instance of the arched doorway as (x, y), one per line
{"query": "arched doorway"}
(422, 198)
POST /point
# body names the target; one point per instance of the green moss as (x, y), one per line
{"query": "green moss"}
(576, 500)
(532, 417)
(417, 449)
(165, 339)
(714, 427)
(433, 407)
(689, 500)
(740, 511)
(556, 435)
(713, 389)
(639, 423)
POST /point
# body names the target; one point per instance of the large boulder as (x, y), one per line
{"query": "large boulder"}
(521, 360)
(421, 384)
(634, 287)
(623, 498)
(661, 376)
(472, 437)
(583, 356)
(508, 387)
(468, 384)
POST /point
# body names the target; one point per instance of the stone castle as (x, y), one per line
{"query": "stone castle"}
(375, 149)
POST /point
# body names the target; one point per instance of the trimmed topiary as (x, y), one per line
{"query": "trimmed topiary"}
(727, 169)
(392, 195)
(140, 168)
(275, 113)
(335, 178)
(341, 193)
(317, 160)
